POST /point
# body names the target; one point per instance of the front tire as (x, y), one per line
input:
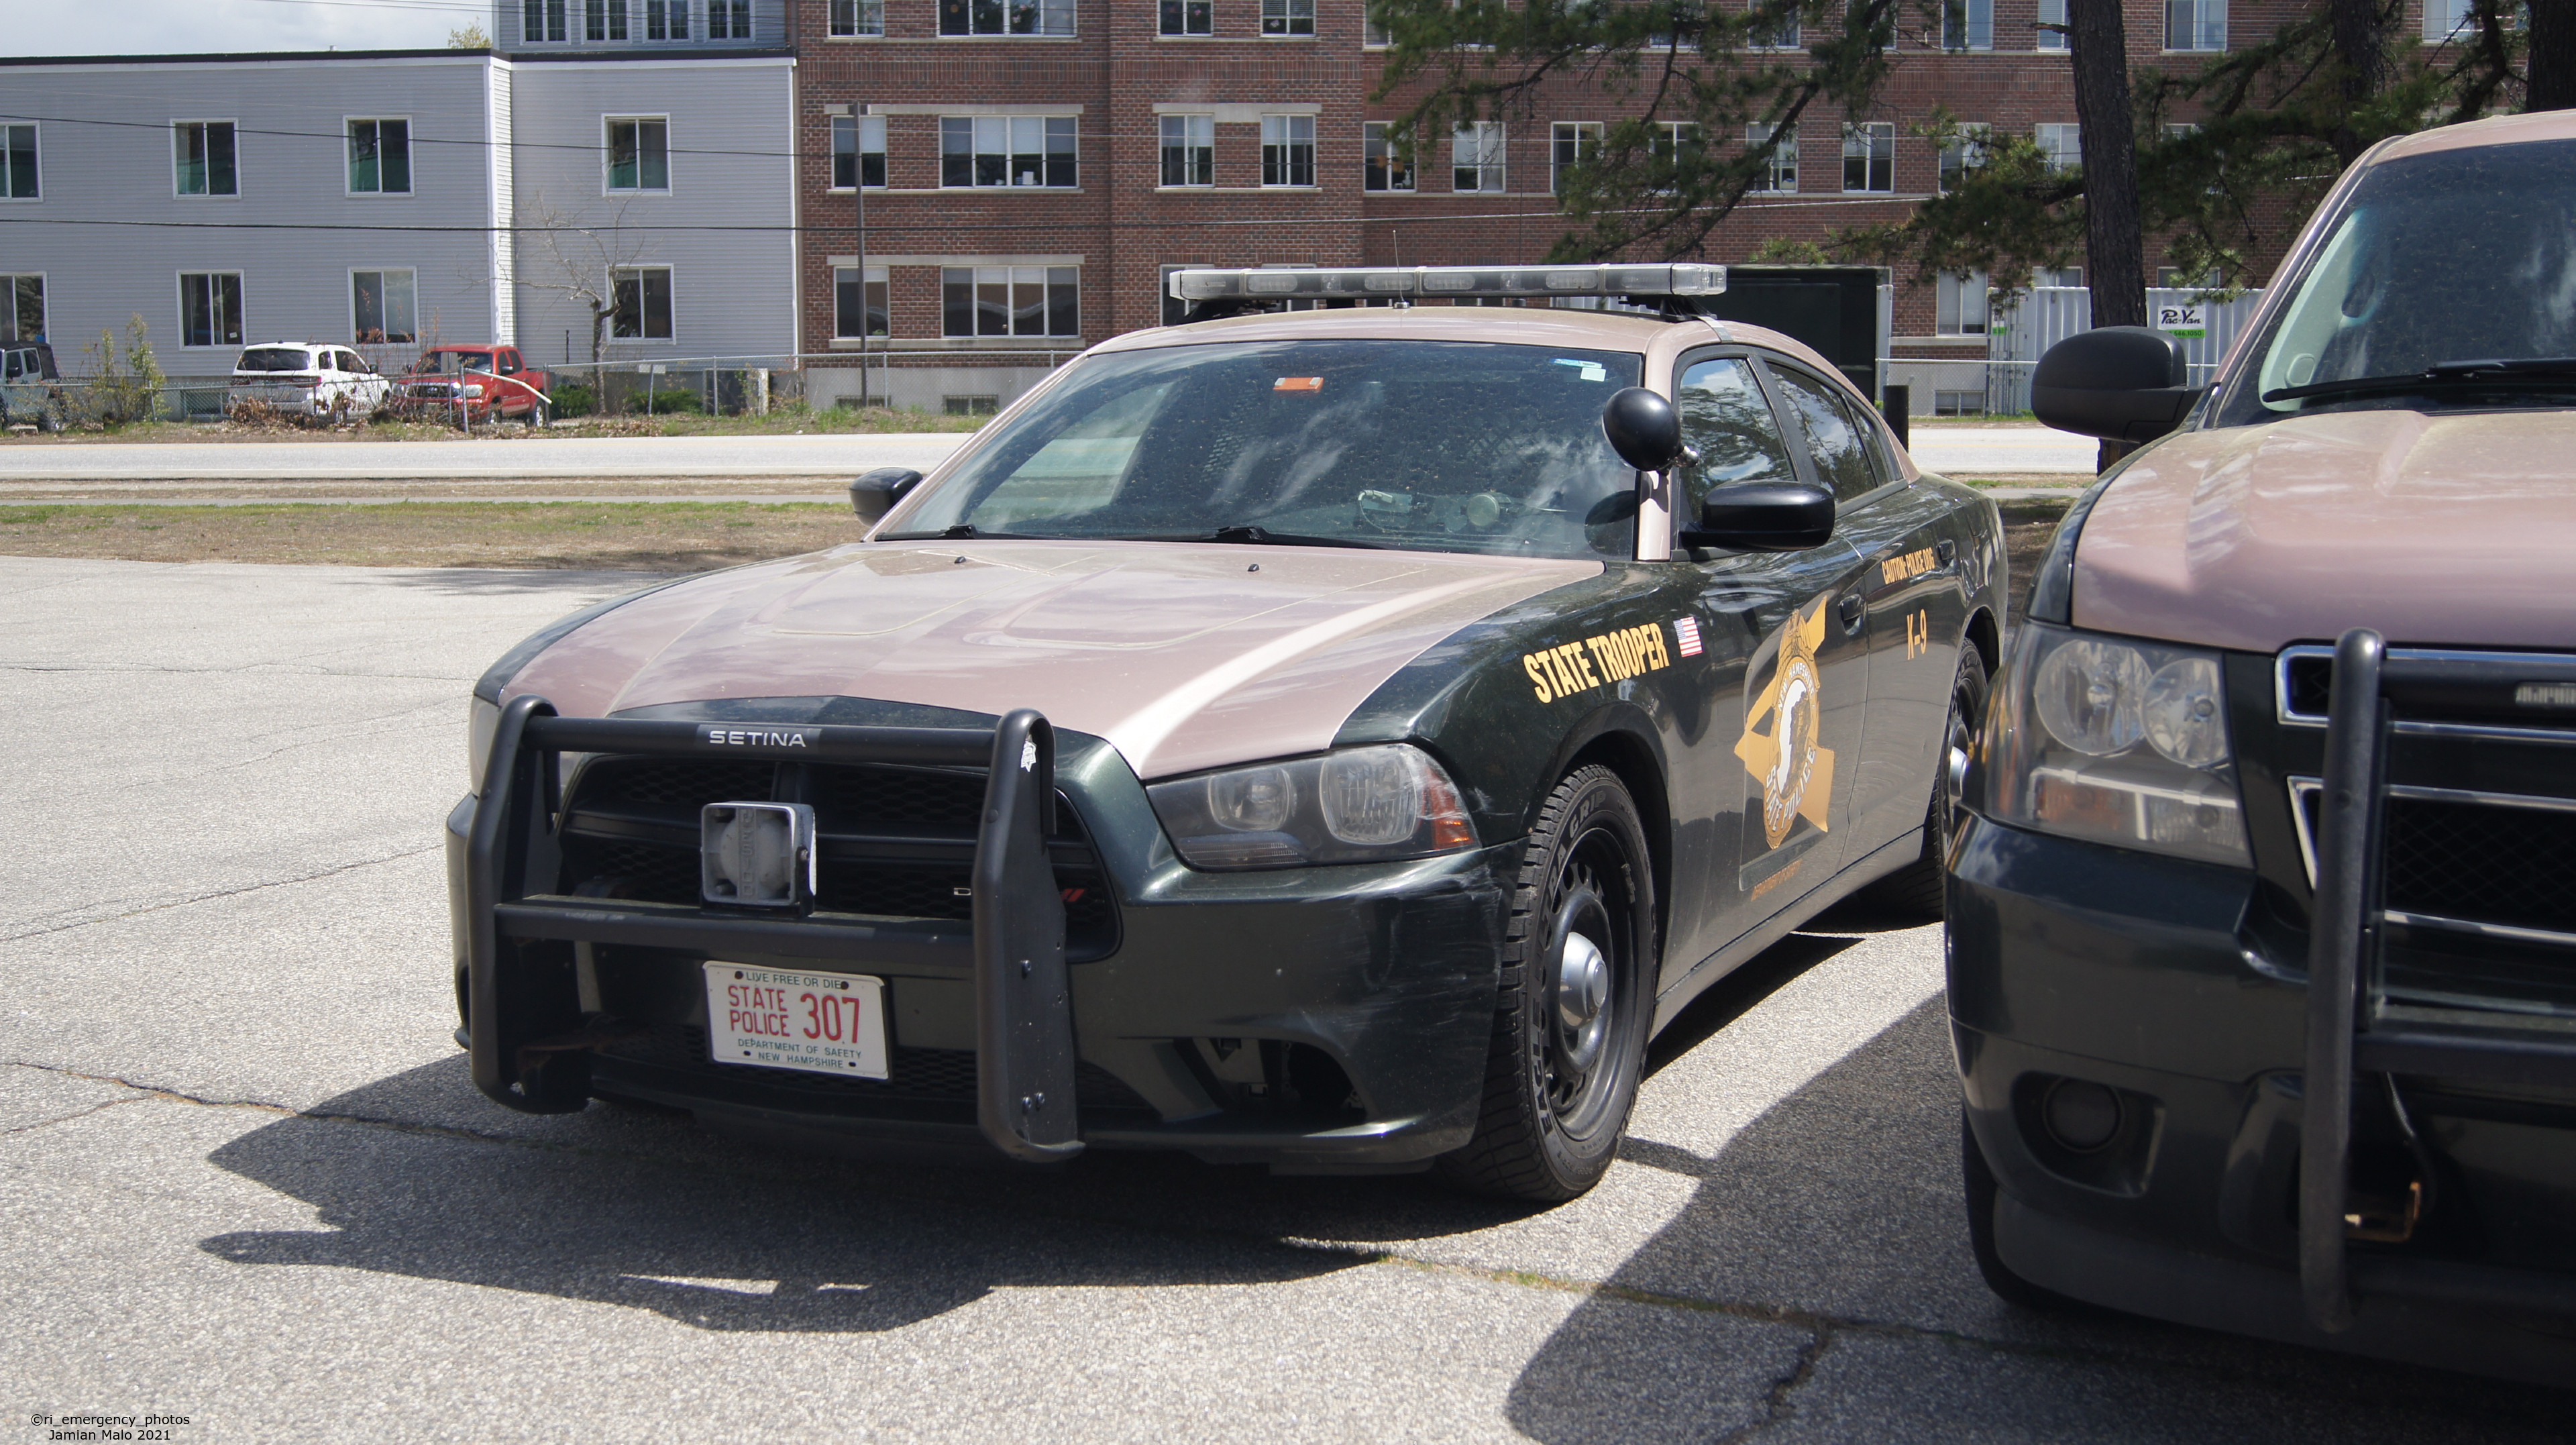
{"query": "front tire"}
(1569, 1036)
(1918, 890)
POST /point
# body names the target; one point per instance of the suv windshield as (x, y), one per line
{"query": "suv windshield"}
(275, 358)
(1429, 445)
(2437, 261)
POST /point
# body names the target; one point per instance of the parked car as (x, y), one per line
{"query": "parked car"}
(2263, 919)
(31, 390)
(1337, 740)
(485, 382)
(307, 379)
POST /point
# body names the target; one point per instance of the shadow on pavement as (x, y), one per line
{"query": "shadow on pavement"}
(515, 581)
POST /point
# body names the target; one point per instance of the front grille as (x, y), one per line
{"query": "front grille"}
(930, 1076)
(2307, 681)
(873, 798)
(2514, 866)
(688, 784)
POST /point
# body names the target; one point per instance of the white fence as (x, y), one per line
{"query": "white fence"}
(2027, 323)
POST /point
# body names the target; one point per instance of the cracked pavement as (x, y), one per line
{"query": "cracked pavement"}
(245, 1178)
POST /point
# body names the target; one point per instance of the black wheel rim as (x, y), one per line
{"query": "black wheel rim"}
(1579, 1040)
(1956, 744)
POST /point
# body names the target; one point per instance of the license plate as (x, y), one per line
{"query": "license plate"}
(826, 1023)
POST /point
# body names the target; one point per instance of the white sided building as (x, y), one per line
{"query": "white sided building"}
(392, 200)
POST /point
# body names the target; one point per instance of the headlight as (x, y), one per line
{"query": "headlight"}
(1355, 806)
(474, 390)
(480, 724)
(2116, 742)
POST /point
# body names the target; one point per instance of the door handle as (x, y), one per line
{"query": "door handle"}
(1851, 611)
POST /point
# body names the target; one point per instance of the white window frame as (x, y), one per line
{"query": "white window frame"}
(608, 155)
(1013, 277)
(1967, 25)
(607, 22)
(1481, 146)
(860, 128)
(210, 193)
(978, 127)
(1282, 136)
(1196, 133)
(1790, 37)
(1784, 161)
(1586, 138)
(559, 12)
(410, 175)
(856, 15)
(1964, 151)
(1376, 143)
(44, 305)
(1049, 12)
(740, 10)
(671, 10)
(1280, 19)
(2051, 12)
(2061, 142)
(1962, 304)
(1165, 10)
(36, 148)
(1877, 142)
(241, 303)
(411, 275)
(638, 268)
(876, 276)
(2201, 24)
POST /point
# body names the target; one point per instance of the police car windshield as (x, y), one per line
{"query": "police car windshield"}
(1427, 445)
(2436, 263)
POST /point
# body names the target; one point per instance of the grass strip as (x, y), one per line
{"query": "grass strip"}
(638, 536)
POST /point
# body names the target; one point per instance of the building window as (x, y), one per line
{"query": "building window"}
(666, 19)
(1574, 140)
(1869, 156)
(2195, 24)
(1476, 156)
(1006, 150)
(640, 303)
(1777, 31)
(2057, 276)
(1006, 17)
(24, 319)
(1959, 304)
(606, 19)
(210, 308)
(18, 162)
(2051, 32)
(204, 150)
(1287, 17)
(2062, 146)
(1372, 33)
(1783, 171)
(858, 17)
(1010, 301)
(1287, 150)
(380, 157)
(1189, 17)
(383, 307)
(1189, 150)
(858, 146)
(848, 297)
(639, 155)
(1385, 169)
(541, 21)
(728, 19)
(1963, 152)
(1968, 24)
(1676, 147)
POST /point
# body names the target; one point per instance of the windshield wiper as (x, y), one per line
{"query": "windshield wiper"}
(2525, 370)
(962, 532)
(1264, 537)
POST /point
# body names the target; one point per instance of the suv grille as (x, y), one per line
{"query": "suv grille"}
(2514, 866)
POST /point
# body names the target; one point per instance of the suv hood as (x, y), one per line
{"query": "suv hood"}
(1182, 656)
(2445, 529)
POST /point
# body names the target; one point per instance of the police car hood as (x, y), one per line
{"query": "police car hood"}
(1182, 656)
(2450, 528)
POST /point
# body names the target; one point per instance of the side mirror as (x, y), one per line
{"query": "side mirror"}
(1764, 517)
(2123, 383)
(1643, 429)
(875, 493)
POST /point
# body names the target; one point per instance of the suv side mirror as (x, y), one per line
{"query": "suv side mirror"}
(875, 493)
(2123, 383)
(1764, 517)
(1643, 429)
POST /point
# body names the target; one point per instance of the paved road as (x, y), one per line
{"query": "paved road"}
(244, 1177)
(1965, 451)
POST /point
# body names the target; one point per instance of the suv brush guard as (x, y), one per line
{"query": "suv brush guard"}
(2343, 1039)
(531, 1042)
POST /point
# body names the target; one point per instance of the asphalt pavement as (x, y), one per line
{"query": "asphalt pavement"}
(245, 1179)
(111, 467)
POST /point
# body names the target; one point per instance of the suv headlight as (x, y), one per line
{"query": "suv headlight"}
(480, 724)
(1358, 805)
(2114, 741)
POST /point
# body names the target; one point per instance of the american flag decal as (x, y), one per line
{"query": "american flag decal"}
(1686, 633)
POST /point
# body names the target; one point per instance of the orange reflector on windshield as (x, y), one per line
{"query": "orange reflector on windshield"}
(1298, 383)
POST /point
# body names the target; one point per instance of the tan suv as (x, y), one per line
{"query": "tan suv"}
(2263, 913)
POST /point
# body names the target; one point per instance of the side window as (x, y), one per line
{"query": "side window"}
(1842, 459)
(1725, 415)
(509, 363)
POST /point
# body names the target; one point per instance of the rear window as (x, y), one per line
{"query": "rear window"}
(275, 358)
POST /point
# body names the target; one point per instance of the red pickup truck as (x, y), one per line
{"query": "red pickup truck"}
(485, 381)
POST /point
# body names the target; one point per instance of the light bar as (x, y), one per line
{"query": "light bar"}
(1286, 283)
